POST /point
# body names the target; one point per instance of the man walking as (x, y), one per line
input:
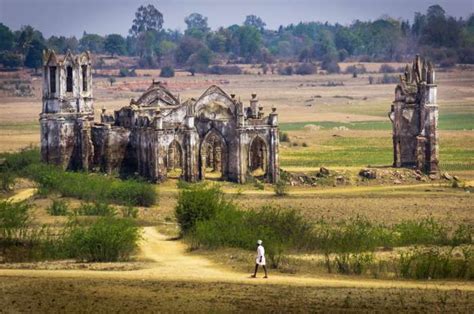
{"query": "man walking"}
(260, 259)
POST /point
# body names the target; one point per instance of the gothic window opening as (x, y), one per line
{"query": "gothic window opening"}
(69, 79)
(52, 79)
(174, 160)
(258, 157)
(84, 78)
(213, 157)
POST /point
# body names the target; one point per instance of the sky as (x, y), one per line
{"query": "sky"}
(73, 17)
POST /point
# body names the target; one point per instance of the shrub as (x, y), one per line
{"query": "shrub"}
(108, 239)
(287, 70)
(125, 72)
(92, 187)
(199, 202)
(95, 209)
(281, 188)
(284, 137)
(386, 68)
(426, 231)
(129, 212)
(221, 70)
(437, 263)
(167, 71)
(7, 180)
(355, 69)
(14, 220)
(388, 79)
(58, 208)
(305, 69)
(331, 66)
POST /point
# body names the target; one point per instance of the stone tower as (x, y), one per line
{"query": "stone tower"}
(414, 116)
(67, 110)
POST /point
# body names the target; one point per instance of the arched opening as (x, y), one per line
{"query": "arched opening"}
(213, 157)
(258, 162)
(174, 160)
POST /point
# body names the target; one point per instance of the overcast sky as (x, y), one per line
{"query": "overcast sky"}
(72, 17)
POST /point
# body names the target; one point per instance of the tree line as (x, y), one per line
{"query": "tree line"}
(444, 39)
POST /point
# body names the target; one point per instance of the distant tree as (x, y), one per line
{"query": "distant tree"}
(146, 18)
(34, 56)
(200, 60)
(167, 71)
(9, 59)
(196, 25)
(115, 44)
(91, 42)
(250, 41)
(255, 21)
(186, 48)
(25, 37)
(7, 38)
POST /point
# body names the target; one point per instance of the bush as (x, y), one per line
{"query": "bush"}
(281, 188)
(437, 263)
(287, 70)
(331, 66)
(284, 137)
(167, 71)
(426, 231)
(356, 69)
(58, 208)
(199, 202)
(228, 70)
(306, 69)
(14, 220)
(125, 72)
(92, 187)
(386, 68)
(108, 239)
(129, 212)
(95, 209)
(7, 180)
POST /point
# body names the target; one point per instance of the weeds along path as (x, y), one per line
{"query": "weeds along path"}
(170, 261)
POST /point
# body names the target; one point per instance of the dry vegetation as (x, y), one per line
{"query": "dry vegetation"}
(344, 128)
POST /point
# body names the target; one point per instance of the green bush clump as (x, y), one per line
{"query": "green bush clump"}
(58, 208)
(92, 187)
(437, 263)
(108, 239)
(14, 220)
(199, 202)
(426, 231)
(167, 71)
(95, 209)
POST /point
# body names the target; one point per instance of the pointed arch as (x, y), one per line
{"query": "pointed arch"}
(258, 156)
(213, 155)
(215, 94)
(175, 159)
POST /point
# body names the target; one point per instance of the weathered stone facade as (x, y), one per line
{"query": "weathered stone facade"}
(414, 116)
(156, 135)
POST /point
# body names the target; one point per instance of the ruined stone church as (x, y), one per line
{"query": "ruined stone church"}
(156, 135)
(414, 116)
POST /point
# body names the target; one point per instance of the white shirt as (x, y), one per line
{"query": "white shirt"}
(260, 260)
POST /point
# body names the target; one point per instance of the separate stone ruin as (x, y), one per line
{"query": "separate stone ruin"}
(214, 135)
(414, 116)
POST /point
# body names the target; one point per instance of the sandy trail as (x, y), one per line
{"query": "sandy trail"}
(169, 260)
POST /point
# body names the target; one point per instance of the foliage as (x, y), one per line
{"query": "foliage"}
(224, 70)
(92, 187)
(95, 209)
(437, 263)
(305, 69)
(115, 44)
(10, 59)
(108, 239)
(146, 18)
(167, 71)
(14, 220)
(255, 21)
(125, 72)
(281, 188)
(58, 208)
(34, 57)
(199, 202)
(284, 137)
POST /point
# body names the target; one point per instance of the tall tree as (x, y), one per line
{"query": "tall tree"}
(196, 25)
(255, 21)
(34, 55)
(146, 18)
(91, 42)
(115, 44)
(7, 39)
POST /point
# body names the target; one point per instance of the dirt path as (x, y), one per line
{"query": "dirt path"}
(170, 261)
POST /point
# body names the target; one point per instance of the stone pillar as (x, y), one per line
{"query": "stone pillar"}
(273, 162)
(254, 106)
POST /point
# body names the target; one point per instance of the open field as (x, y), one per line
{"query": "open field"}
(344, 128)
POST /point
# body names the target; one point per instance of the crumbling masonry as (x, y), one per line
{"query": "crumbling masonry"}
(156, 135)
(414, 116)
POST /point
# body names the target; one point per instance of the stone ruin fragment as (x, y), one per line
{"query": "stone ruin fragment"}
(157, 134)
(414, 116)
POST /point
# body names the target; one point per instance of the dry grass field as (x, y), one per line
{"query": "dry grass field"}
(344, 128)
